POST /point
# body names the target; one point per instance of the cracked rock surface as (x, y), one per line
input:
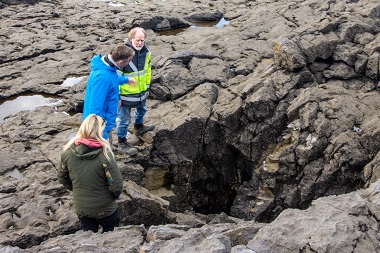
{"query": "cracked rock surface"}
(267, 125)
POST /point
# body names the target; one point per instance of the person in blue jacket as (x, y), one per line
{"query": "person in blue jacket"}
(102, 90)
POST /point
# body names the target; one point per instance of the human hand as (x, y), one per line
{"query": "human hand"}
(132, 82)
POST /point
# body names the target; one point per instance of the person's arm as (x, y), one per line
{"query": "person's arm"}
(149, 73)
(63, 175)
(126, 80)
(111, 112)
(117, 180)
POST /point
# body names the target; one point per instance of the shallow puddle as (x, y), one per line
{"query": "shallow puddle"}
(115, 4)
(72, 81)
(14, 174)
(218, 24)
(13, 105)
(198, 24)
(222, 23)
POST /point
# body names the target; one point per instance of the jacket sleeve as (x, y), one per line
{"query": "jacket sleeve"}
(149, 73)
(63, 175)
(117, 183)
(111, 110)
(123, 80)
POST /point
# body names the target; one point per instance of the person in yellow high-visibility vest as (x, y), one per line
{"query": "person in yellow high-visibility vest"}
(134, 97)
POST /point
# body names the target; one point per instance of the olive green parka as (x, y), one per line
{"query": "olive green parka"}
(83, 170)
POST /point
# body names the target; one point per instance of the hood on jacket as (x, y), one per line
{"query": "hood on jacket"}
(97, 64)
(84, 152)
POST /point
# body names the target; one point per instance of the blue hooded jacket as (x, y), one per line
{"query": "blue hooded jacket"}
(102, 92)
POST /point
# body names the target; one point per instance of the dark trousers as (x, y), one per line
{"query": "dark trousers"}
(108, 223)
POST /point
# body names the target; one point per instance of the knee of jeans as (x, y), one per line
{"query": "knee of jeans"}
(123, 123)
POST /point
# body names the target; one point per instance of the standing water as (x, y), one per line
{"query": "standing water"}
(25, 102)
(71, 81)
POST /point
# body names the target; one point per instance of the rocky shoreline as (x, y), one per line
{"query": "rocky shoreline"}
(267, 133)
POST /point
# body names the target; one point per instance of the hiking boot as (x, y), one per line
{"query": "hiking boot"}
(141, 129)
(125, 148)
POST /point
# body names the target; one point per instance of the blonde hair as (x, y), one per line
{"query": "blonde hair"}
(92, 128)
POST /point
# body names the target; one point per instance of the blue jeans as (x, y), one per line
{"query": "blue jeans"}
(108, 223)
(124, 119)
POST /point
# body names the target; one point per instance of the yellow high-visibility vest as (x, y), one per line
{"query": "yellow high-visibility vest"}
(142, 77)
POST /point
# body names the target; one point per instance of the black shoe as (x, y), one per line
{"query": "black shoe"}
(125, 148)
(141, 129)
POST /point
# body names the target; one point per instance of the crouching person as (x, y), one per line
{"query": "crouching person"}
(88, 168)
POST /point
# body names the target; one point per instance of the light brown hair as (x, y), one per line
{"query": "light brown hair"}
(122, 52)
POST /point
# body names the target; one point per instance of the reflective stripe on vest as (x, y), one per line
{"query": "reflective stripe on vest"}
(133, 99)
(133, 74)
(133, 66)
(142, 77)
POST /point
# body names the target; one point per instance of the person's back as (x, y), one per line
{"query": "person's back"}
(102, 85)
(91, 194)
(88, 168)
(102, 89)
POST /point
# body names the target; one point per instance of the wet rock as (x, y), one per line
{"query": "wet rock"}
(205, 16)
(160, 23)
